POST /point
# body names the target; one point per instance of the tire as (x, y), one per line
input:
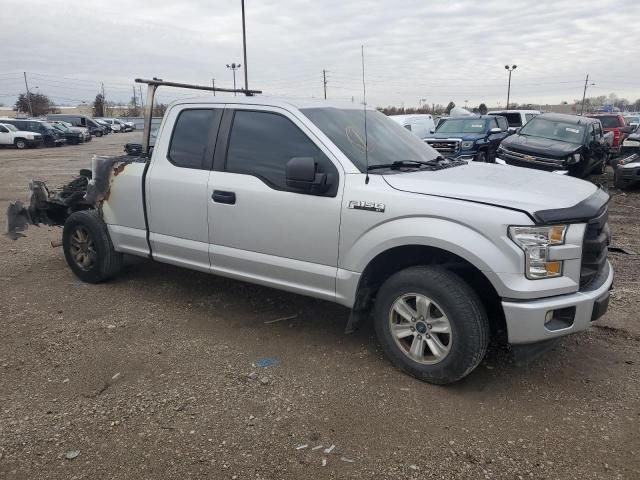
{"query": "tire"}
(98, 134)
(481, 157)
(88, 249)
(458, 304)
(618, 182)
(20, 143)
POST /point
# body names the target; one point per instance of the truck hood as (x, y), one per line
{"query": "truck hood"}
(467, 137)
(541, 146)
(524, 189)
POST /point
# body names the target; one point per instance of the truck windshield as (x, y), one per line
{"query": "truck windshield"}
(387, 141)
(462, 125)
(554, 130)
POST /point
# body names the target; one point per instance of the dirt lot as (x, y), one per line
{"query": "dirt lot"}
(152, 376)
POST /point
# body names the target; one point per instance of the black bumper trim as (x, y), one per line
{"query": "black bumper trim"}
(580, 212)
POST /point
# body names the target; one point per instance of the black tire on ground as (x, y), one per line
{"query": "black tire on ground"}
(481, 156)
(457, 300)
(618, 182)
(20, 143)
(98, 134)
(88, 226)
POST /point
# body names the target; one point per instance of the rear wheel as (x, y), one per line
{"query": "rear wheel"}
(20, 143)
(88, 248)
(431, 324)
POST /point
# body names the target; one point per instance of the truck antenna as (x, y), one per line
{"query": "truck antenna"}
(366, 139)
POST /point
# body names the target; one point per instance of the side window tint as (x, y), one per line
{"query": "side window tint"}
(261, 144)
(191, 137)
(3, 129)
(408, 127)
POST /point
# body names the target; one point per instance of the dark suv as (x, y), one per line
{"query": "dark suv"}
(469, 138)
(51, 136)
(558, 143)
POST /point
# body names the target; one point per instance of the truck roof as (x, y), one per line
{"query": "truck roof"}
(270, 101)
(567, 118)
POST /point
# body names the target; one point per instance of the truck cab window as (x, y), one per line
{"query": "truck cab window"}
(261, 144)
(502, 123)
(191, 136)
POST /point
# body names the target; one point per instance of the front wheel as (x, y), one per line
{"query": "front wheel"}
(21, 144)
(481, 157)
(431, 324)
(88, 248)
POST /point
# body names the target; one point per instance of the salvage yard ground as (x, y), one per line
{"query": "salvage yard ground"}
(153, 375)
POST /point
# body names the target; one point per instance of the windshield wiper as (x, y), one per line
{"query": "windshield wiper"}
(434, 164)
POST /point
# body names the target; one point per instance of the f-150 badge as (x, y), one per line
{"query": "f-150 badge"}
(370, 206)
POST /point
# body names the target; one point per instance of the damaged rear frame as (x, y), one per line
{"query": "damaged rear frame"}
(91, 187)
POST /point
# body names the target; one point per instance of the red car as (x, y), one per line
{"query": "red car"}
(613, 122)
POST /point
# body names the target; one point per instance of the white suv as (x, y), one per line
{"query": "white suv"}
(10, 135)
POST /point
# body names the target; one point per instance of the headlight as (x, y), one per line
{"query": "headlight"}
(575, 158)
(535, 243)
(467, 145)
(29, 137)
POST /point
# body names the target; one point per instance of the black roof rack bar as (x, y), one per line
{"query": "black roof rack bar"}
(152, 86)
(159, 82)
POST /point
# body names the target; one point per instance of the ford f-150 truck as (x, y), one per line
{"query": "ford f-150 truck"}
(301, 196)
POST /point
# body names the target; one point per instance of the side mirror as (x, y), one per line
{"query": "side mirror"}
(494, 131)
(432, 131)
(302, 175)
(628, 129)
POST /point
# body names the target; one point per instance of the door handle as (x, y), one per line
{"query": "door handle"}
(224, 197)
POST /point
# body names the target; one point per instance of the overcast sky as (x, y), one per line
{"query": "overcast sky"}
(415, 49)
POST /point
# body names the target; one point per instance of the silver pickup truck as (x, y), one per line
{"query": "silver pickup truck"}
(300, 196)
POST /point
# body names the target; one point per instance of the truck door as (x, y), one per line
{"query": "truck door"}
(5, 136)
(263, 230)
(176, 186)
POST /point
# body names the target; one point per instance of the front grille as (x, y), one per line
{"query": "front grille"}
(446, 147)
(594, 248)
(519, 159)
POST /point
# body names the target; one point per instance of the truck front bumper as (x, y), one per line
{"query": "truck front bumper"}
(546, 318)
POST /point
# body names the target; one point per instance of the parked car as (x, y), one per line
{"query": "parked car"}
(50, 136)
(115, 125)
(631, 144)
(80, 121)
(632, 120)
(559, 143)
(613, 122)
(627, 171)
(10, 135)
(469, 138)
(440, 253)
(420, 125)
(108, 128)
(130, 125)
(516, 118)
(84, 132)
(73, 137)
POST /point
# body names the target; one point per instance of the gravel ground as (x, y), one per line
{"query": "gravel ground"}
(154, 375)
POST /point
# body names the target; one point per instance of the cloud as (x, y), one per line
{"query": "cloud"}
(437, 50)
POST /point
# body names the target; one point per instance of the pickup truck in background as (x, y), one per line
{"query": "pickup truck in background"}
(559, 143)
(10, 135)
(469, 138)
(421, 125)
(441, 254)
(516, 118)
(614, 122)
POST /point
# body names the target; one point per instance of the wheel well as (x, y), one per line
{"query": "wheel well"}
(19, 138)
(395, 259)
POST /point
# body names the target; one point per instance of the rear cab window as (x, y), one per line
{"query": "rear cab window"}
(192, 136)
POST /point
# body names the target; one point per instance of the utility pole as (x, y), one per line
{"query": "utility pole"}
(244, 49)
(135, 101)
(233, 67)
(213, 84)
(141, 101)
(510, 69)
(584, 94)
(28, 95)
(103, 102)
(324, 82)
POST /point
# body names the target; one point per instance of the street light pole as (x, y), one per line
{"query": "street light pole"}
(510, 69)
(244, 48)
(233, 67)
(28, 95)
